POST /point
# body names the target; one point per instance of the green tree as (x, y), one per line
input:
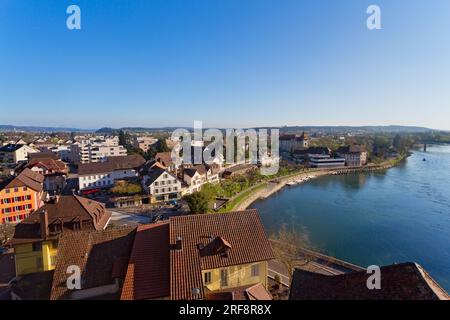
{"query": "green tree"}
(200, 202)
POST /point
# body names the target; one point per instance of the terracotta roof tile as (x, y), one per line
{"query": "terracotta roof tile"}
(148, 272)
(95, 252)
(242, 231)
(406, 281)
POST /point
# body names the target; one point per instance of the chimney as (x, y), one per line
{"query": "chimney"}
(179, 244)
(43, 219)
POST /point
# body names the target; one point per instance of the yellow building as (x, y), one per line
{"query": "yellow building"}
(35, 240)
(235, 276)
(210, 256)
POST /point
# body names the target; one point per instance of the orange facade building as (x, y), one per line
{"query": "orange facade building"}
(20, 196)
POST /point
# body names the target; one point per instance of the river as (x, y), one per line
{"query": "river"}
(399, 215)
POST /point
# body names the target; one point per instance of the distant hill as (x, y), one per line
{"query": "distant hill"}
(285, 129)
(41, 129)
(356, 129)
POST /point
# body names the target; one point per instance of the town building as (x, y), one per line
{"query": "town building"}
(104, 174)
(20, 196)
(96, 150)
(237, 170)
(196, 176)
(15, 153)
(215, 256)
(318, 157)
(103, 259)
(291, 142)
(355, 155)
(144, 143)
(161, 185)
(35, 239)
(165, 158)
(63, 151)
(54, 171)
(405, 281)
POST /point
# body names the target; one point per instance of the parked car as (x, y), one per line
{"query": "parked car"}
(3, 250)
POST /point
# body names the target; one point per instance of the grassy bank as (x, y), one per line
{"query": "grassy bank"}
(241, 197)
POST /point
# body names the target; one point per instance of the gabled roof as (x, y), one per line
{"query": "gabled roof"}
(54, 166)
(406, 281)
(148, 272)
(243, 234)
(27, 178)
(11, 147)
(66, 209)
(154, 174)
(111, 164)
(42, 155)
(97, 253)
(165, 158)
(201, 169)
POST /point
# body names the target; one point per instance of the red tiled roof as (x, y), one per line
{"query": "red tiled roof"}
(406, 281)
(164, 158)
(148, 272)
(134, 161)
(96, 253)
(26, 178)
(65, 209)
(242, 231)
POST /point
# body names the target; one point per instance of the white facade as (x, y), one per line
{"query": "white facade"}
(63, 151)
(104, 180)
(18, 155)
(96, 150)
(196, 182)
(164, 188)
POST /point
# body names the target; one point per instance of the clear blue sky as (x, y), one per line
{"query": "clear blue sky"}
(230, 63)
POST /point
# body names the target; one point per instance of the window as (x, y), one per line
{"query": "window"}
(8, 190)
(24, 189)
(207, 277)
(166, 176)
(255, 270)
(224, 278)
(53, 260)
(37, 246)
(16, 189)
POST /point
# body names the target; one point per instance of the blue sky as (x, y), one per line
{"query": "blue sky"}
(230, 63)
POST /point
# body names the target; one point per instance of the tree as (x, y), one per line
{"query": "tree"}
(200, 202)
(123, 138)
(161, 145)
(288, 249)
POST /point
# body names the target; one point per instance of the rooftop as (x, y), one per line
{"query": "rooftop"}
(148, 272)
(27, 178)
(406, 281)
(101, 255)
(112, 163)
(213, 241)
(65, 210)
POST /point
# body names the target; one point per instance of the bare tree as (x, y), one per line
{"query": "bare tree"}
(6, 233)
(289, 249)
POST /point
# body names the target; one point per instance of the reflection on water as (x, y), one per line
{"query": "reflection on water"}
(402, 214)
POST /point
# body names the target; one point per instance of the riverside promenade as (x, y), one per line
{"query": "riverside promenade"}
(277, 184)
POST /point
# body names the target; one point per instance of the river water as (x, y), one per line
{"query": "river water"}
(402, 214)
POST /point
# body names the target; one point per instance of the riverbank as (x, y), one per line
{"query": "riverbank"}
(277, 184)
